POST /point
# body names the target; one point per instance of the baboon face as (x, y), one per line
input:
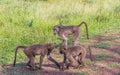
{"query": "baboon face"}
(51, 46)
(56, 29)
(62, 49)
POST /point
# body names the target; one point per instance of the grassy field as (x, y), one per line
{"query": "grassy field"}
(26, 22)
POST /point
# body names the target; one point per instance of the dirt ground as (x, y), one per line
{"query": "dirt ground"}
(105, 52)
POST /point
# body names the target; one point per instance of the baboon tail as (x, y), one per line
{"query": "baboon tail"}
(16, 53)
(86, 28)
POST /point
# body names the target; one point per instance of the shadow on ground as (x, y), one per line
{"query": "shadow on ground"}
(21, 69)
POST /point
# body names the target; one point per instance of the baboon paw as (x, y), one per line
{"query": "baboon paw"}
(28, 66)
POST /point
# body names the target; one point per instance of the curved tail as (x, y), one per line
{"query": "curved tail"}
(86, 28)
(16, 53)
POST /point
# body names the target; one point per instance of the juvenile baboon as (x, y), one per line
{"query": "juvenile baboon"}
(64, 31)
(75, 55)
(37, 49)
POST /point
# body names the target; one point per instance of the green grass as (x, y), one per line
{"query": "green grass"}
(113, 65)
(89, 63)
(26, 22)
(95, 69)
(80, 73)
(101, 57)
(101, 45)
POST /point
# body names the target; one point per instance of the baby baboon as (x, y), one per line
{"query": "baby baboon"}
(37, 49)
(75, 55)
(64, 31)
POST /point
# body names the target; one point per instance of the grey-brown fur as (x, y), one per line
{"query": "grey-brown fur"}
(64, 31)
(75, 54)
(36, 49)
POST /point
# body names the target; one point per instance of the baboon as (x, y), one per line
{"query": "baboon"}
(64, 31)
(74, 54)
(37, 49)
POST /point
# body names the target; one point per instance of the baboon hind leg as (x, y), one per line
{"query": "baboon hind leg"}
(41, 60)
(75, 38)
(83, 61)
(64, 38)
(28, 63)
(90, 53)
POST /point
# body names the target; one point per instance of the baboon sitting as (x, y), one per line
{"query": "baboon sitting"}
(64, 31)
(37, 49)
(75, 55)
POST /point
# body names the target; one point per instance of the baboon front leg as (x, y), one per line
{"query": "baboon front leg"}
(41, 60)
(73, 62)
(32, 62)
(75, 38)
(64, 62)
(55, 62)
(52, 60)
(64, 38)
(77, 58)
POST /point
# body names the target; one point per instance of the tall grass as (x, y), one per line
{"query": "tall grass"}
(26, 22)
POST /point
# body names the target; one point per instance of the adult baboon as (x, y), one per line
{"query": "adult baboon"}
(64, 31)
(37, 49)
(75, 55)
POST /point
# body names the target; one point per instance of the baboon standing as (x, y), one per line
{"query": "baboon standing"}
(64, 31)
(37, 49)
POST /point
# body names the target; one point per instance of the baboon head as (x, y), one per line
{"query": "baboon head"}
(50, 46)
(56, 29)
(62, 49)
